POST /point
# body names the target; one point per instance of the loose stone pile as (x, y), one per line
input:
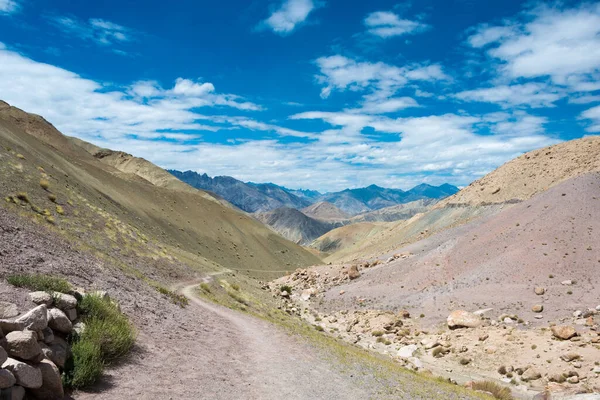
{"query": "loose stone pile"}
(34, 349)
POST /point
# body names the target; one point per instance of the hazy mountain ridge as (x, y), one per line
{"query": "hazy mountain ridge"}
(262, 197)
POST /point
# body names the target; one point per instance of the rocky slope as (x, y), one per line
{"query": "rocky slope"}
(528, 270)
(325, 211)
(294, 225)
(124, 209)
(247, 196)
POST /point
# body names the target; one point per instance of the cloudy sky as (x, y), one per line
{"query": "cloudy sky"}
(320, 94)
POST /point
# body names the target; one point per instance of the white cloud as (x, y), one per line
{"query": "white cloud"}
(99, 31)
(88, 109)
(531, 94)
(386, 24)
(341, 73)
(8, 6)
(290, 14)
(592, 114)
(585, 99)
(550, 42)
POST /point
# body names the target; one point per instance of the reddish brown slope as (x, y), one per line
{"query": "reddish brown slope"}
(497, 261)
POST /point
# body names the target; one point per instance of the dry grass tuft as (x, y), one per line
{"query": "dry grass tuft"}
(45, 184)
(499, 392)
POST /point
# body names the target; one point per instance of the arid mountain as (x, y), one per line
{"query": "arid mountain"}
(248, 197)
(325, 211)
(396, 213)
(517, 180)
(294, 225)
(357, 201)
(261, 197)
(532, 173)
(130, 202)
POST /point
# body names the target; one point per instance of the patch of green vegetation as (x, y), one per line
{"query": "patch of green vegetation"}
(23, 197)
(175, 298)
(205, 286)
(108, 336)
(40, 282)
(60, 210)
(44, 184)
(377, 333)
(52, 197)
(499, 392)
(286, 288)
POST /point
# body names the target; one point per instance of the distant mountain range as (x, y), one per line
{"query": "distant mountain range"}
(265, 197)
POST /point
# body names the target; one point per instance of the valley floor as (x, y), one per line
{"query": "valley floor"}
(221, 353)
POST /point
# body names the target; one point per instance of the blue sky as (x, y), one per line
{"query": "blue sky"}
(309, 94)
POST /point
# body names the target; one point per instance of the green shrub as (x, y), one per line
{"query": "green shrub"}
(286, 288)
(377, 333)
(205, 286)
(86, 365)
(108, 336)
(44, 184)
(39, 282)
(175, 298)
(499, 392)
(235, 287)
(52, 197)
(60, 210)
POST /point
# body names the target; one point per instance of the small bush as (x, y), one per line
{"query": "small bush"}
(52, 197)
(286, 288)
(108, 336)
(499, 392)
(502, 370)
(205, 286)
(377, 333)
(50, 220)
(23, 197)
(60, 210)
(465, 361)
(439, 352)
(44, 184)
(235, 287)
(237, 297)
(39, 282)
(175, 298)
(20, 156)
(319, 328)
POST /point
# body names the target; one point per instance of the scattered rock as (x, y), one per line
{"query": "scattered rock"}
(58, 321)
(26, 375)
(23, 345)
(577, 313)
(538, 308)
(18, 393)
(531, 374)
(51, 388)
(342, 292)
(306, 294)
(570, 357)
(11, 326)
(568, 282)
(64, 301)
(429, 343)
(484, 337)
(463, 319)
(403, 314)
(407, 351)
(285, 294)
(3, 356)
(48, 335)
(6, 379)
(40, 298)
(36, 319)
(353, 272)
(8, 310)
(573, 379)
(539, 291)
(564, 332)
(416, 363)
(79, 328)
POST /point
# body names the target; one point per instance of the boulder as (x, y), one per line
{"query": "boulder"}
(64, 301)
(52, 388)
(48, 335)
(564, 332)
(539, 291)
(27, 376)
(58, 321)
(57, 352)
(18, 393)
(531, 374)
(7, 326)
(40, 298)
(23, 345)
(36, 319)
(463, 319)
(538, 308)
(8, 310)
(407, 351)
(71, 314)
(3, 356)
(429, 343)
(6, 379)
(353, 272)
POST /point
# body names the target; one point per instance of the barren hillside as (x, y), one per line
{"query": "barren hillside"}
(325, 211)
